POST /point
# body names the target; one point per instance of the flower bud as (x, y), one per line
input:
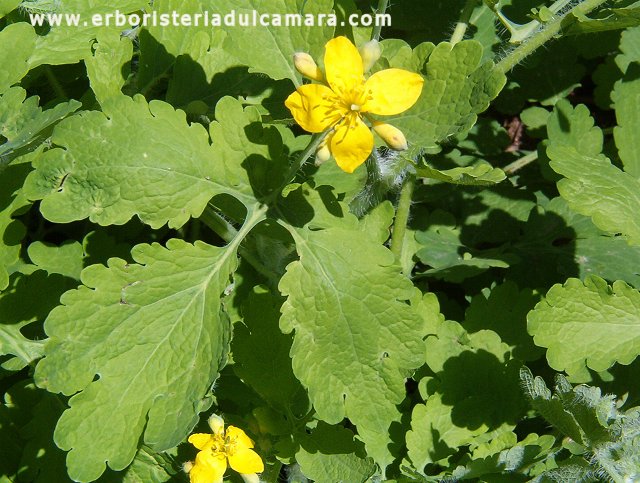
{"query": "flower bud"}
(323, 154)
(370, 53)
(216, 423)
(391, 135)
(250, 478)
(307, 66)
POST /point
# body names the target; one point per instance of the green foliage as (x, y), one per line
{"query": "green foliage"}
(594, 423)
(600, 322)
(455, 77)
(379, 334)
(169, 250)
(170, 299)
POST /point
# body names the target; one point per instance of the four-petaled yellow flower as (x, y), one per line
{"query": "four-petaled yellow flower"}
(232, 446)
(347, 99)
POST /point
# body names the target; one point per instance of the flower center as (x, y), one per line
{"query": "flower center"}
(356, 107)
(224, 445)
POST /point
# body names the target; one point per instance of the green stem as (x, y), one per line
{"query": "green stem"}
(520, 33)
(55, 84)
(463, 23)
(377, 29)
(218, 224)
(549, 31)
(521, 163)
(311, 148)
(233, 237)
(402, 215)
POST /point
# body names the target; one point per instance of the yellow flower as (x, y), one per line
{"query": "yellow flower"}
(232, 447)
(347, 99)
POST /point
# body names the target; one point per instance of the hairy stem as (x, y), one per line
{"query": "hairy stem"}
(549, 31)
(402, 215)
(463, 23)
(218, 224)
(382, 8)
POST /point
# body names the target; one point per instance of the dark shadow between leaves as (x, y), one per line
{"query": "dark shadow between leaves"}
(481, 390)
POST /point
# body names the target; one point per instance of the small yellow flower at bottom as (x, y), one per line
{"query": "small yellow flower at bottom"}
(230, 447)
(344, 100)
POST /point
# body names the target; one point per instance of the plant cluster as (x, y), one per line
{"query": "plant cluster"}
(215, 267)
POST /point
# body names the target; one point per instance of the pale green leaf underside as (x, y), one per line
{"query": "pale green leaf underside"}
(166, 172)
(588, 324)
(356, 338)
(482, 174)
(457, 88)
(155, 336)
(596, 188)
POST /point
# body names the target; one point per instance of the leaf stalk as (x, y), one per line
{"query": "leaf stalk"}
(463, 23)
(402, 215)
(382, 8)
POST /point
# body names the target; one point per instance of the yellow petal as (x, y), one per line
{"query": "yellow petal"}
(343, 65)
(209, 468)
(314, 107)
(202, 441)
(392, 91)
(351, 144)
(240, 437)
(246, 461)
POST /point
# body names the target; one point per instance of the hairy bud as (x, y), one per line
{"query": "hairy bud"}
(307, 66)
(370, 53)
(323, 154)
(391, 135)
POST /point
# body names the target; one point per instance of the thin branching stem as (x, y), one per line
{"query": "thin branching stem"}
(234, 238)
(377, 29)
(548, 32)
(302, 158)
(518, 164)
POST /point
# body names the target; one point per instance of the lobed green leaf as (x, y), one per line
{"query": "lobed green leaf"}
(356, 338)
(590, 325)
(168, 172)
(138, 346)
